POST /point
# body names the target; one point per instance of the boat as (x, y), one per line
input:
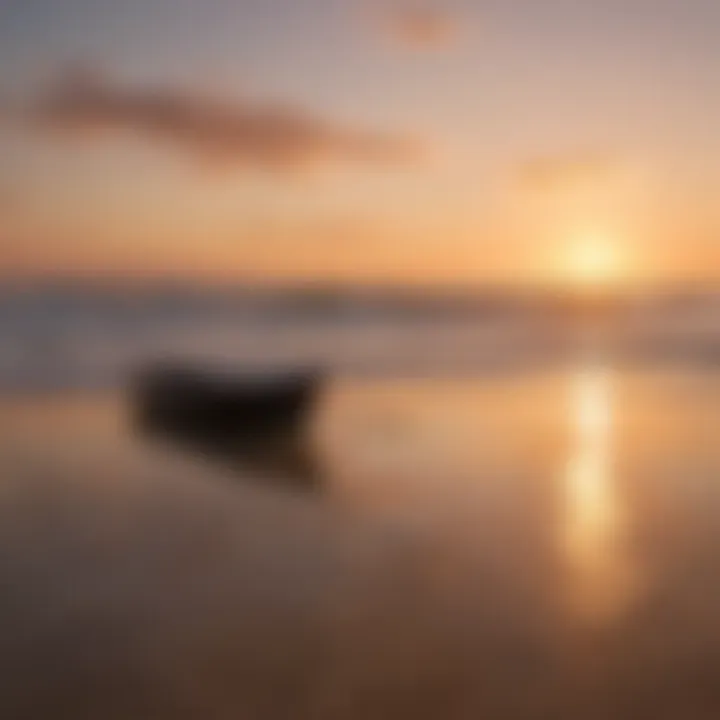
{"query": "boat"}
(257, 421)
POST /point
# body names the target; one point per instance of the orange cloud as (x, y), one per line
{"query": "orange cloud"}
(417, 26)
(560, 172)
(248, 134)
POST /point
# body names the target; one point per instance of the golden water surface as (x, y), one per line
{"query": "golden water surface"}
(543, 546)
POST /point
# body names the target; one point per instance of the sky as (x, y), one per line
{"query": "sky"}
(570, 141)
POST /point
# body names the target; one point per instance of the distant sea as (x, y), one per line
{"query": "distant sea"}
(66, 337)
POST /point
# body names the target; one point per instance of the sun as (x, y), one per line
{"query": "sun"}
(592, 260)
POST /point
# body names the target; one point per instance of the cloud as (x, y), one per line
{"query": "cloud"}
(554, 173)
(247, 134)
(417, 26)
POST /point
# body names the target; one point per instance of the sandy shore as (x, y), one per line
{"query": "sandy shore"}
(138, 583)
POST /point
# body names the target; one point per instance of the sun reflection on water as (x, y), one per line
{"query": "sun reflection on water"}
(594, 520)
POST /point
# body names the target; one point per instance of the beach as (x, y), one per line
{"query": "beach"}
(536, 545)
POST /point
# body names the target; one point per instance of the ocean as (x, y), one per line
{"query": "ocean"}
(80, 337)
(517, 517)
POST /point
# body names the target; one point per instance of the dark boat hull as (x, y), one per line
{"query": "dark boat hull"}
(258, 422)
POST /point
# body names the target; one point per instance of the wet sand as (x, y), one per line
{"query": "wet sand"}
(539, 547)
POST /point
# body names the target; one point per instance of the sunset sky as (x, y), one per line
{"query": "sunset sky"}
(455, 140)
